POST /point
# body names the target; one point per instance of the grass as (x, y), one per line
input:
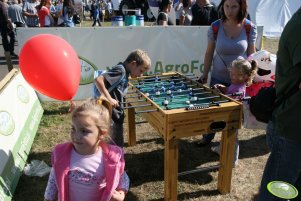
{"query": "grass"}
(144, 162)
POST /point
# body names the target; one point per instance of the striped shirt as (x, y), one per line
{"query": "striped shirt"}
(30, 7)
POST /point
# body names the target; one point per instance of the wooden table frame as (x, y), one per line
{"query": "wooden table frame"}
(179, 123)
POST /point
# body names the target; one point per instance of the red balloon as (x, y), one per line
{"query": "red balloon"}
(51, 66)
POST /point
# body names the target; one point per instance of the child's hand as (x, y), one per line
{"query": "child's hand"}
(114, 102)
(118, 195)
(220, 87)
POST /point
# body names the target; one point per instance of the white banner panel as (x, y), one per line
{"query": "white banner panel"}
(173, 48)
(20, 115)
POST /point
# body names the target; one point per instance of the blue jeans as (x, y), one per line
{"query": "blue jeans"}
(209, 137)
(283, 164)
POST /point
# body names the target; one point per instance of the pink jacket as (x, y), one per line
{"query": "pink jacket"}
(113, 161)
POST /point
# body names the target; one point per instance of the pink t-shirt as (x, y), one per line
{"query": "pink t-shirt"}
(237, 88)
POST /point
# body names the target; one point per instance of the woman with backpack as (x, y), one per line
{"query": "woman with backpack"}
(230, 37)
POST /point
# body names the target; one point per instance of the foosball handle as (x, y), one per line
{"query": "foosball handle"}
(197, 107)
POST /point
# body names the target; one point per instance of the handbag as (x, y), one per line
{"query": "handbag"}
(263, 104)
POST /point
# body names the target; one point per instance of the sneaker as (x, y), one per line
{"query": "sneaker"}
(202, 142)
(216, 149)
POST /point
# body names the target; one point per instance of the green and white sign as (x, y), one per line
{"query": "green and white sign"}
(20, 115)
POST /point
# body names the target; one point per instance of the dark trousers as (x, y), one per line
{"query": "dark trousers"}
(8, 39)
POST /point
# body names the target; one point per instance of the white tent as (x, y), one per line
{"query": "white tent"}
(272, 14)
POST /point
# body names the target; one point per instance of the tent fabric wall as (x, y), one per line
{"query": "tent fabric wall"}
(272, 14)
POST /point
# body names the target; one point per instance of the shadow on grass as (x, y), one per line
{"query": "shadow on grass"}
(157, 140)
(193, 195)
(253, 147)
(149, 166)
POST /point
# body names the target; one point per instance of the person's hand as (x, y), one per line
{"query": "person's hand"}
(10, 26)
(114, 102)
(221, 88)
(203, 79)
(118, 195)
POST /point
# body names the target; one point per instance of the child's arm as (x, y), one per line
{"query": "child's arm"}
(99, 82)
(51, 191)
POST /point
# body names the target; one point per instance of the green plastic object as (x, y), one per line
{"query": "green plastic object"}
(282, 190)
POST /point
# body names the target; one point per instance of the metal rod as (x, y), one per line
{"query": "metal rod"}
(137, 96)
(213, 167)
(133, 101)
(161, 79)
(141, 122)
(146, 111)
(137, 106)
(132, 92)
(213, 103)
(177, 93)
(162, 84)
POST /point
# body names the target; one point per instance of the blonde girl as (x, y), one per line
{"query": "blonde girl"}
(242, 73)
(87, 168)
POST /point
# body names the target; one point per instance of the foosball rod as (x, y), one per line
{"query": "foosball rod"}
(137, 106)
(177, 95)
(165, 95)
(210, 168)
(154, 80)
(171, 91)
(182, 91)
(163, 85)
(203, 98)
(136, 101)
(201, 105)
(194, 102)
(146, 111)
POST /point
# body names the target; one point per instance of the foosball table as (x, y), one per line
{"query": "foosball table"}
(178, 107)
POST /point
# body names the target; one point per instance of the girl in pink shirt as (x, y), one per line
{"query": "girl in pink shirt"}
(242, 73)
(87, 168)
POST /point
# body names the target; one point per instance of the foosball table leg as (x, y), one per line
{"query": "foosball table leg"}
(226, 161)
(131, 126)
(171, 155)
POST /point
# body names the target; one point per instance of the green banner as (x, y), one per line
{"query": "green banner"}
(18, 155)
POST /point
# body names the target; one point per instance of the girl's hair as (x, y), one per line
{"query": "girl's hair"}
(242, 13)
(246, 67)
(140, 57)
(185, 3)
(99, 109)
(42, 3)
(69, 5)
(163, 4)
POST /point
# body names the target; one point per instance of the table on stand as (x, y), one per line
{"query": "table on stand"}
(178, 120)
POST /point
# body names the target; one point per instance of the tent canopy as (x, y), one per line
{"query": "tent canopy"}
(272, 14)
